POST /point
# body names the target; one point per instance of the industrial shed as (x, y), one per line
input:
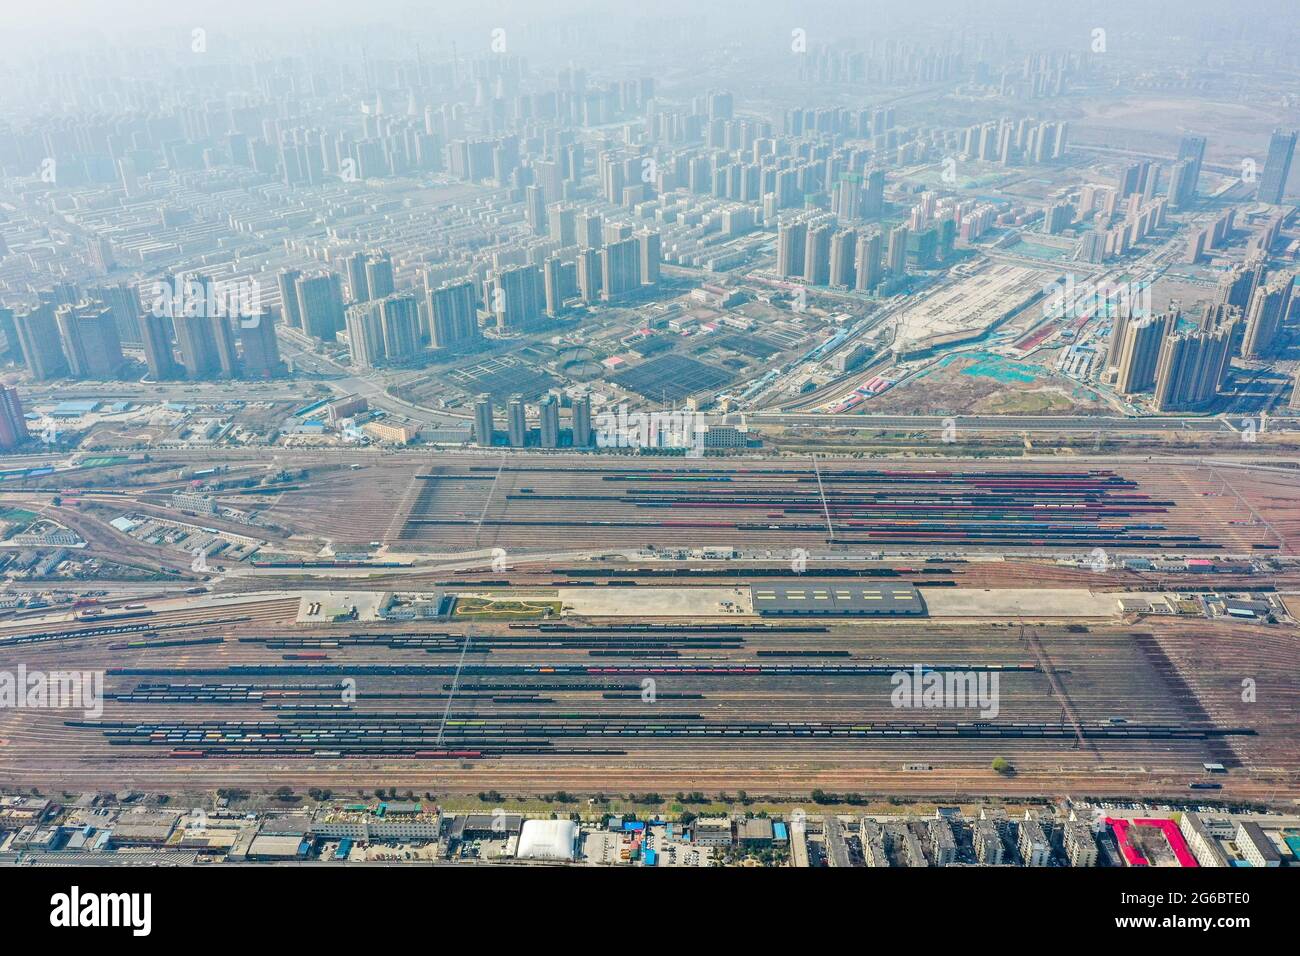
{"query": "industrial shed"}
(843, 598)
(548, 840)
(277, 848)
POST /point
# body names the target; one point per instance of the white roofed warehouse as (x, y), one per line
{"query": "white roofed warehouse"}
(548, 840)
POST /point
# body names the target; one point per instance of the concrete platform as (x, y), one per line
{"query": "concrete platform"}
(657, 602)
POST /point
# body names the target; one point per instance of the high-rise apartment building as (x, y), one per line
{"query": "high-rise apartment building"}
(549, 421)
(1140, 352)
(484, 428)
(649, 248)
(791, 242)
(620, 269)
(453, 315)
(868, 267)
(365, 327)
(1277, 167)
(38, 335)
(320, 305)
(582, 421)
(287, 281)
(259, 350)
(817, 254)
(1265, 317)
(88, 333)
(898, 237)
(518, 298)
(516, 422)
(13, 426)
(1192, 368)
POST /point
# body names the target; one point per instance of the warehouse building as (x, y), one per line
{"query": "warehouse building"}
(714, 831)
(484, 826)
(269, 847)
(755, 831)
(845, 599)
(554, 840)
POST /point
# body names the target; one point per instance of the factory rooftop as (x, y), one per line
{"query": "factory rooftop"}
(838, 598)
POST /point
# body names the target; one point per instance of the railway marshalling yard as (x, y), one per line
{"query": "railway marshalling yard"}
(657, 670)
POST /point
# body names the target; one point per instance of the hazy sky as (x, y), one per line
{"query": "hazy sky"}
(236, 16)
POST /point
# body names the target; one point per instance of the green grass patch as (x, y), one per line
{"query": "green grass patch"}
(503, 610)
